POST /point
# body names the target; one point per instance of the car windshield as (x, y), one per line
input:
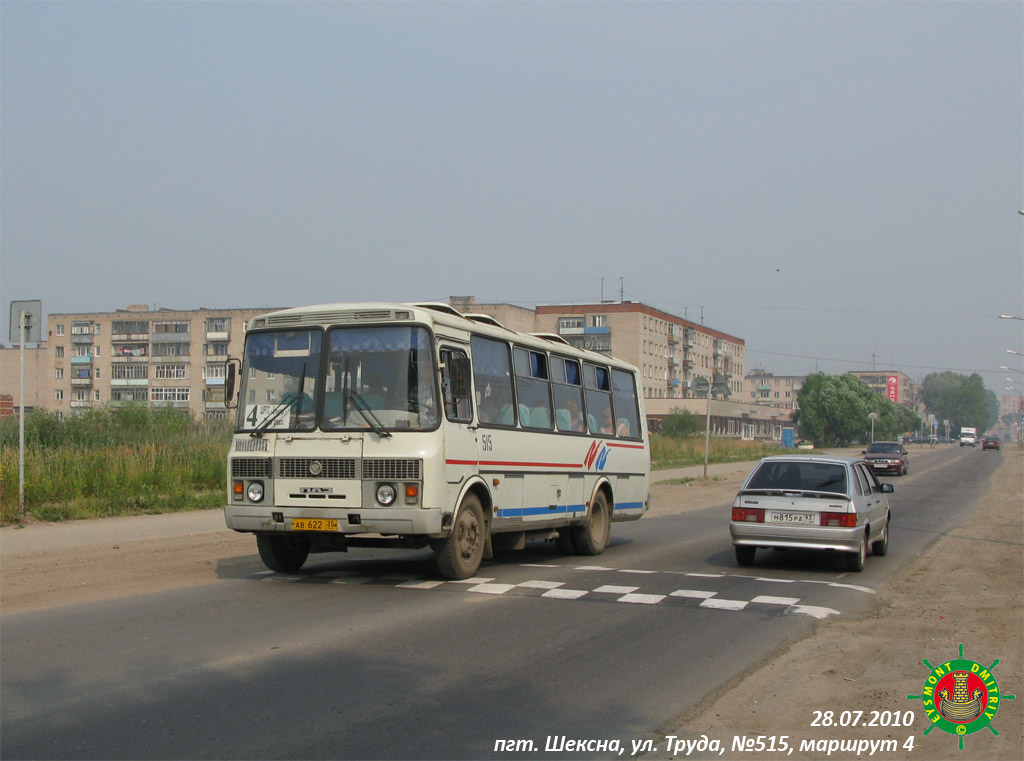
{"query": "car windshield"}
(800, 476)
(885, 447)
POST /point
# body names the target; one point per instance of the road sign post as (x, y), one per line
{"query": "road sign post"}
(29, 319)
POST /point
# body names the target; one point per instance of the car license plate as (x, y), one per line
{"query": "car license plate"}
(880, 464)
(314, 524)
(777, 517)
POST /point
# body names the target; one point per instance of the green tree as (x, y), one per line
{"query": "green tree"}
(834, 411)
(681, 423)
(961, 399)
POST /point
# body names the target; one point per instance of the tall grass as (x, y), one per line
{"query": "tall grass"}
(113, 461)
(671, 452)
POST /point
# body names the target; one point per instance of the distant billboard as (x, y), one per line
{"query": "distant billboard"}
(892, 388)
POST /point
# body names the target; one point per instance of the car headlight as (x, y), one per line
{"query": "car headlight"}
(255, 491)
(386, 494)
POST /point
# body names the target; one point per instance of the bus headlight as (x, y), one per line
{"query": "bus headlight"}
(255, 491)
(386, 494)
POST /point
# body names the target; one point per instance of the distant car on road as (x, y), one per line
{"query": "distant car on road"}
(812, 502)
(888, 457)
(990, 442)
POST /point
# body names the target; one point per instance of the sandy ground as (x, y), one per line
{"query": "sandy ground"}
(966, 588)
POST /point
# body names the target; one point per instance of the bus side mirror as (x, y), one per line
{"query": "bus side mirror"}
(458, 373)
(234, 369)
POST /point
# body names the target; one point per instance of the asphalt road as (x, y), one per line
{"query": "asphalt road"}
(371, 656)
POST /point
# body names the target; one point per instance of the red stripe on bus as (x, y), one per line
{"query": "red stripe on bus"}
(517, 464)
(626, 446)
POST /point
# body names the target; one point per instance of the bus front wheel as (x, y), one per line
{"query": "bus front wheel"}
(282, 553)
(593, 536)
(458, 556)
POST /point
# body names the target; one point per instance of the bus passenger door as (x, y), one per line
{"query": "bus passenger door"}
(461, 453)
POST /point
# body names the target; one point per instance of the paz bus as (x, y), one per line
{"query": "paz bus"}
(414, 426)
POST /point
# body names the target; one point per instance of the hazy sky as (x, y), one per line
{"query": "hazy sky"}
(836, 183)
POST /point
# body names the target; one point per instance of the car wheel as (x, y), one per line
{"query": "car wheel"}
(881, 546)
(745, 554)
(855, 560)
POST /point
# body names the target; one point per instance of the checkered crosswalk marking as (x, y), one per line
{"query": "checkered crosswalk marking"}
(651, 588)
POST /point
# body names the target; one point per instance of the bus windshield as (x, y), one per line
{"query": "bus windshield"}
(279, 377)
(380, 377)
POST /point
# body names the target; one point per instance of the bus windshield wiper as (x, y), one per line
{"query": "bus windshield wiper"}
(364, 409)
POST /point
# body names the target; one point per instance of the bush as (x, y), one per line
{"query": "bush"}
(113, 461)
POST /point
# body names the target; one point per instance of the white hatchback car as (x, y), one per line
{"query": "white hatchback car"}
(812, 502)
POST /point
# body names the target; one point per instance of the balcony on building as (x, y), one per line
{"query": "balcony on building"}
(86, 360)
(79, 339)
(171, 338)
(133, 352)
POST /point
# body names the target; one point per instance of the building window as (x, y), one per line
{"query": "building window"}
(215, 370)
(171, 327)
(217, 325)
(58, 351)
(60, 373)
(129, 372)
(58, 395)
(169, 394)
(170, 372)
(599, 320)
(570, 322)
(60, 330)
(128, 327)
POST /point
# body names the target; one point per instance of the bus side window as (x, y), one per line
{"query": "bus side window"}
(492, 376)
(599, 400)
(457, 406)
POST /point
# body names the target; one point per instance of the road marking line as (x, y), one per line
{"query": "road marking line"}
(420, 584)
(566, 594)
(534, 584)
(724, 604)
(694, 593)
(491, 589)
(769, 600)
(642, 598)
(612, 589)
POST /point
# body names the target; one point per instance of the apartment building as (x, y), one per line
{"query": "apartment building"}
(893, 385)
(770, 390)
(161, 357)
(674, 355)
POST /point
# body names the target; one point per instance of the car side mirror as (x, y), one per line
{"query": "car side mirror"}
(863, 451)
(887, 489)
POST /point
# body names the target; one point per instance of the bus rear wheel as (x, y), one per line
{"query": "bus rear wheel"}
(282, 553)
(458, 556)
(593, 536)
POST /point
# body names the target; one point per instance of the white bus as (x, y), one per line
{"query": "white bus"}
(408, 426)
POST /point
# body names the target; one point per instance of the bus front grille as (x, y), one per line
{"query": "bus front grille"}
(317, 467)
(391, 469)
(250, 467)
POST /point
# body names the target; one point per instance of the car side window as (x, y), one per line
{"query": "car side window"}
(872, 482)
(862, 484)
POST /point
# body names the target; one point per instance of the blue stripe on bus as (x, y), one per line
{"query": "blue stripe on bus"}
(523, 512)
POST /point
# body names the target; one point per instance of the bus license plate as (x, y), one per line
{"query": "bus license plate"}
(314, 524)
(808, 518)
